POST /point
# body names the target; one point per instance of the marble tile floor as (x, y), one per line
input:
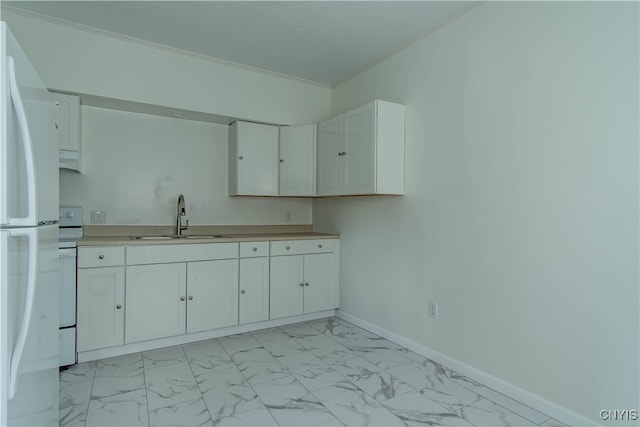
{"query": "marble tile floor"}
(320, 373)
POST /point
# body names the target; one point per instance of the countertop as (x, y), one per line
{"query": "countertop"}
(121, 235)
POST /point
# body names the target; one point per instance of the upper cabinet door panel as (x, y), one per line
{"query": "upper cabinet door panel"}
(330, 157)
(297, 160)
(359, 150)
(253, 156)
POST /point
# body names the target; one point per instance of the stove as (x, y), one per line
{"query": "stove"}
(70, 230)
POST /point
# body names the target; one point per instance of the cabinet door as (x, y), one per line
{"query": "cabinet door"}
(318, 276)
(212, 294)
(257, 159)
(100, 307)
(156, 301)
(297, 160)
(330, 157)
(359, 128)
(286, 286)
(68, 120)
(254, 289)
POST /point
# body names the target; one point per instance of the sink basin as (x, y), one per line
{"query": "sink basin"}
(172, 237)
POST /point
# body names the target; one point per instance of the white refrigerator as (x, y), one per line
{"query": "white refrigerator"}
(29, 246)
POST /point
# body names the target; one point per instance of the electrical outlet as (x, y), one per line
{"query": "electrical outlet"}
(98, 217)
(433, 309)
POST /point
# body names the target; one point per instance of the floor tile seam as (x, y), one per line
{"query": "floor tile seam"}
(146, 393)
(470, 389)
(461, 383)
(198, 384)
(247, 383)
(545, 421)
(93, 382)
(363, 392)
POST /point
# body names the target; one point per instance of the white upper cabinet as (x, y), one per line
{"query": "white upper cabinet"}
(362, 151)
(297, 160)
(68, 125)
(253, 159)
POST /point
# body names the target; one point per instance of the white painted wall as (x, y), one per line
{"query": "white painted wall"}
(521, 209)
(136, 165)
(86, 62)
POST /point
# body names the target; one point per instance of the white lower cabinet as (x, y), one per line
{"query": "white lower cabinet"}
(156, 301)
(212, 294)
(100, 298)
(254, 289)
(172, 290)
(302, 283)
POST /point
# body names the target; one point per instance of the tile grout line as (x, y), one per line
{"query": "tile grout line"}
(146, 393)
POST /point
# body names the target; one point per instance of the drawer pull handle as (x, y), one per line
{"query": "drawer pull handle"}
(119, 306)
(100, 256)
(288, 247)
(242, 291)
(306, 284)
(190, 298)
(255, 249)
(181, 298)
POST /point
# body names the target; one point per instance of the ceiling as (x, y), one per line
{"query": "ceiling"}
(321, 41)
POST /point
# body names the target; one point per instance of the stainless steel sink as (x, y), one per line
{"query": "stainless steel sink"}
(172, 237)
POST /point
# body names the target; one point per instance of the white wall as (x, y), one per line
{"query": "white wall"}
(521, 210)
(79, 61)
(136, 165)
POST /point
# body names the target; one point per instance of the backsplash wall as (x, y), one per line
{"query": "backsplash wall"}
(136, 165)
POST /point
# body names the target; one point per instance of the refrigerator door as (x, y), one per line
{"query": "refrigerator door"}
(29, 141)
(29, 318)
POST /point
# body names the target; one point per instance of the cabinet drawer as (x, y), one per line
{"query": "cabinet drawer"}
(158, 254)
(100, 257)
(254, 249)
(297, 247)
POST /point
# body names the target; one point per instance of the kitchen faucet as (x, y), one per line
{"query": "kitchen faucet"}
(181, 212)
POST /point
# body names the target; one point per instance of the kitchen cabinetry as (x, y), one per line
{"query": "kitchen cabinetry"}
(212, 294)
(297, 160)
(253, 159)
(362, 151)
(156, 301)
(302, 277)
(68, 125)
(101, 297)
(254, 282)
(197, 291)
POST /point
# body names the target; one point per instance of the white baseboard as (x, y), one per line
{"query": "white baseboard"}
(532, 400)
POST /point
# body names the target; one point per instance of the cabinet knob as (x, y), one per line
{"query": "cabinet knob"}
(342, 153)
(288, 247)
(281, 160)
(240, 157)
(57, 126)
(181, 298)
(119, 306)
(100, 256)
(255, 249)
(320, 245)
(301, 285)
(190, 298)
(306, 284)
(242, 291)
